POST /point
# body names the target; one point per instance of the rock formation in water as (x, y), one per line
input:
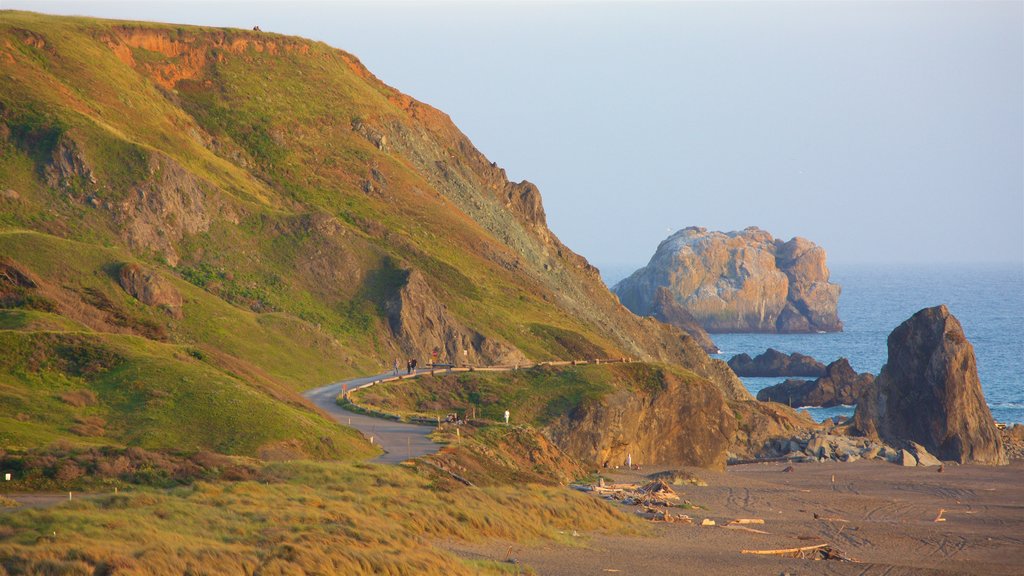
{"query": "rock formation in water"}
(775, 363)
(840, 385)
(928, 392)
(738, 282)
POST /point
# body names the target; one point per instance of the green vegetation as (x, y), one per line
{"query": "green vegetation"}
(535, 395)
(273, 197)
(302, 517)
(93, 389)
(235, 167)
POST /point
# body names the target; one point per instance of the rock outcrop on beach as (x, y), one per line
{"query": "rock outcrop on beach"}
(681, 422)
(928, 392)
(744, 281)
(775, 363)
(840, 385)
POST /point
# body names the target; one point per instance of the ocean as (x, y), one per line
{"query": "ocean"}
(987, 299)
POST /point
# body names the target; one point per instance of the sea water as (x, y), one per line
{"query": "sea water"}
(987, 299)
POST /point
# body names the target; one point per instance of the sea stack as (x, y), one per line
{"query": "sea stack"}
(928, 392)
(744, 281)
(840, 385)
(775, 363)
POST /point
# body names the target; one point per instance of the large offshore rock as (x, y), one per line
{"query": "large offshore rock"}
(738, 282)
(928, 392)
(840, 385)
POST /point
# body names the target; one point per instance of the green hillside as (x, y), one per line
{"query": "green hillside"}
(233, 217)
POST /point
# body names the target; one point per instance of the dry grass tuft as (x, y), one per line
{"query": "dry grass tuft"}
(80, 398)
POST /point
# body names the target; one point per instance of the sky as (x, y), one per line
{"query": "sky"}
(886, 132)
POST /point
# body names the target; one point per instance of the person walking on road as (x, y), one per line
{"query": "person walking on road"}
(396, 367)
(408, 366)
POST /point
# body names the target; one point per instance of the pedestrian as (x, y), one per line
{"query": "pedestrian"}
(506, 417)
(413, 364)
(408, 366)
(396, 367)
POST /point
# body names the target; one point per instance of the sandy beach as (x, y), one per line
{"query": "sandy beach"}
(878, 514)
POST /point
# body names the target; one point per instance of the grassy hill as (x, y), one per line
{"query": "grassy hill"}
(244, 215)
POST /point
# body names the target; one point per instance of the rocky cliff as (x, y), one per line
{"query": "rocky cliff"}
(744, 281)
(928, 392)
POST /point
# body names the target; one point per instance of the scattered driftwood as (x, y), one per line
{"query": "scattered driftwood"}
(655, 493)
(829, 518)
(823, 551)
(785, 551)
(939, 517)
(746, 521)
(707, 522)
(745, 529)
(662, 515)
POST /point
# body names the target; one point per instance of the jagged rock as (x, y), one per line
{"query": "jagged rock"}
(906, 458)
(871, 452)
(1013, 441)
(922, 455)
(817, 447)
(928, 392)
(775, 363)
(839, 386)
(419, 323)
(169, 205)
(150, 288)
(68, 167)
(738, 282)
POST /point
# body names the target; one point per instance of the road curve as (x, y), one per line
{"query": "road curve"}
(403, 441)
(399, 440)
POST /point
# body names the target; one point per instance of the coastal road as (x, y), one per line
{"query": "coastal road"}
(403, 441)
(399, 440)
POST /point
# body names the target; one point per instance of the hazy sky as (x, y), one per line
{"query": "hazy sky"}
(883, 131)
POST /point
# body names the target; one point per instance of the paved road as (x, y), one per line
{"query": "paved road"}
(400, 441)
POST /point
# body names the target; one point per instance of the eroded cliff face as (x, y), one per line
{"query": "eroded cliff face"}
(419, 322)
(738, 282)
(928, 392)
(680, 422)
(672, 420)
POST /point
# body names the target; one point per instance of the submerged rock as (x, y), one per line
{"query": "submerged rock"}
(840, 385)
(928, 392)
(775, 363)
(738, 282)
